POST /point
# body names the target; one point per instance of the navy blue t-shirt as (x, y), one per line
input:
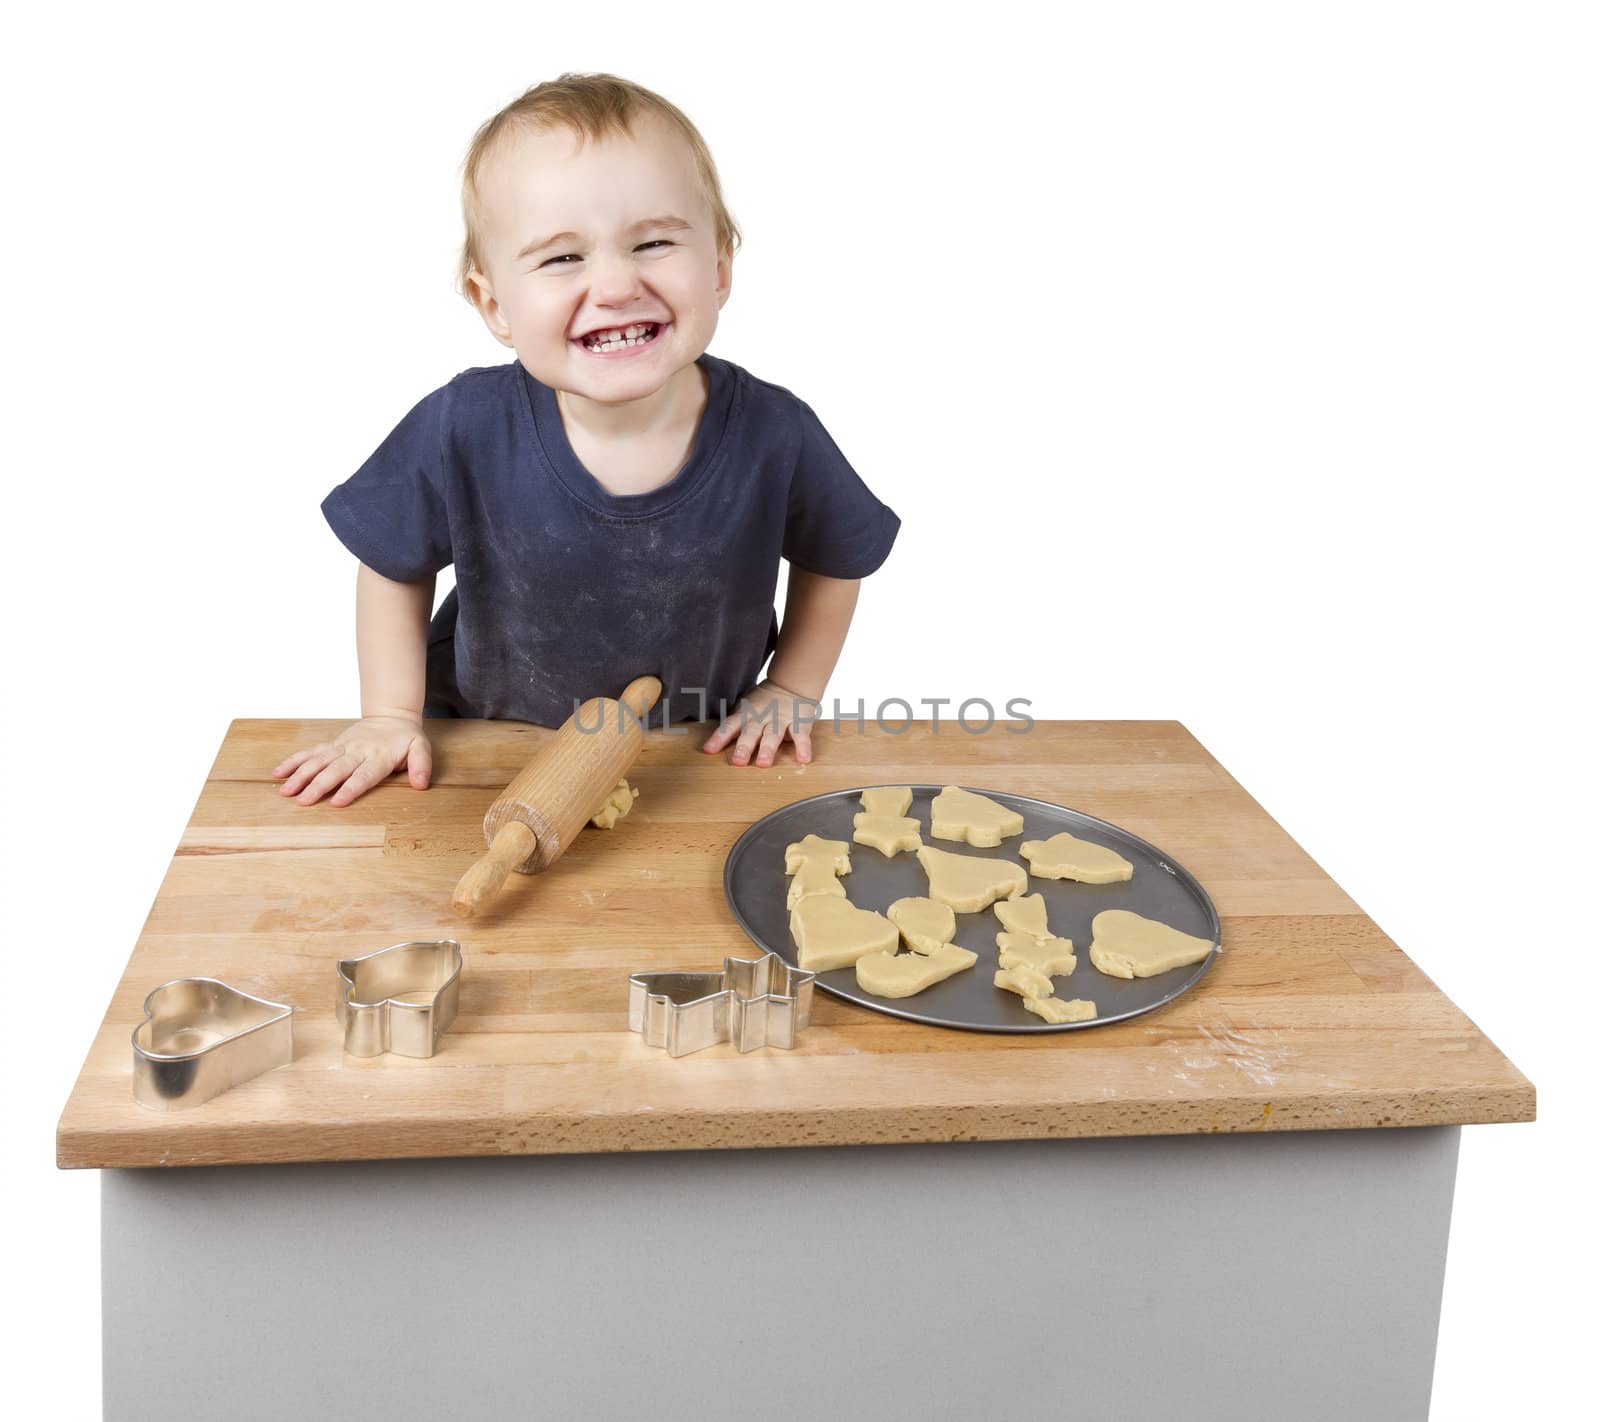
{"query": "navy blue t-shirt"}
(566, 591)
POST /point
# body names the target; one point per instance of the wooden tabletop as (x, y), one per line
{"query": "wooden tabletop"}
(1309, 1019)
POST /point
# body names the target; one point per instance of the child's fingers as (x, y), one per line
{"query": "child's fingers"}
(771, 739)
(283, 767)
(333, 774)
(802, 742)
(309, 767)
(720, 737)
(420, 758)
(360, 780)
(749, 738)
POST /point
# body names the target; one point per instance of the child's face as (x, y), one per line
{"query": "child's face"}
(618, 267)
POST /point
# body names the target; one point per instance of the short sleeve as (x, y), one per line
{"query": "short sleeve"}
(391, 512)
(836, 526)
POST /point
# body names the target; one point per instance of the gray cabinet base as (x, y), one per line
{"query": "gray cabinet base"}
(1289, 1276)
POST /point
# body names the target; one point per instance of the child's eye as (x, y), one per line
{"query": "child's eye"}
(573, 256)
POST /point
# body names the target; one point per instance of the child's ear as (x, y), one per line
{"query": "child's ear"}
(483, 298)
(724, 276)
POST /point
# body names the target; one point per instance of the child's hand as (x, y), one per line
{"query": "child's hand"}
(359, 757)
(767, 713)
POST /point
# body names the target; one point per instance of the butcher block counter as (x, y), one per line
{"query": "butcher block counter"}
(1310, 1019)
(1311, 1026)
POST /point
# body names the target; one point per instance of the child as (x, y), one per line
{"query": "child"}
(614, 507)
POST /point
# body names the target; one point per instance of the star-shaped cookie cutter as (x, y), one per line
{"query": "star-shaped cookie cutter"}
(752, 1002)
(399, 999)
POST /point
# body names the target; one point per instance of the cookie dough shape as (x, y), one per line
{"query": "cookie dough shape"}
(888, 834)
(975, 819)
(1024, 981)
(886, 800)
(814, 876)
(1029, 942)
(1034, 990)
(833, 933)
(832, 851)
(901, 975)
(925, 924)
(1065, 856)
(1128, 945)
(968, 883)
(1053, 1009)
(815, 863)
(615, 806)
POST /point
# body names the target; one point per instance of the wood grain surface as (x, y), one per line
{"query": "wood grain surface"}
(1310, 1019)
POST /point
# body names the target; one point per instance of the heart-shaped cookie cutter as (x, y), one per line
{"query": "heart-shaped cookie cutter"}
(200, 1037)
(752, 1002)
(400, 999)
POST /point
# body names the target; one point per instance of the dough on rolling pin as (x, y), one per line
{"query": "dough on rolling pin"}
(815, 862)
(616, 805)
(1127, 945)
(834, 933)
(901, 975)
(976, 819)
(886, 800)
(888, 834)
(1065, 856)
(968, 883)
(1029, 942)
(925, 924)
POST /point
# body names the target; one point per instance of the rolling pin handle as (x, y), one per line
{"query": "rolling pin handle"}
(513, 843)
(640, 695)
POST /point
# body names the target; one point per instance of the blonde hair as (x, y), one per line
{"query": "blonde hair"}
(593, 106)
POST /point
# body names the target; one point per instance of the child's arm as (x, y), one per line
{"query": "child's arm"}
(391, 648)
(816, 618)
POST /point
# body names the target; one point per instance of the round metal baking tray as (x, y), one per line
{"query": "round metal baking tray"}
(757, 887)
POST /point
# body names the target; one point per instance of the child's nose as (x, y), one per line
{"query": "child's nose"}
(614, 276)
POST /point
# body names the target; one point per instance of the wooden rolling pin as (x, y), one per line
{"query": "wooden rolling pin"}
(540, 812)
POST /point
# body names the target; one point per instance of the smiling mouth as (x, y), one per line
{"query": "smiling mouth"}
(650, 331)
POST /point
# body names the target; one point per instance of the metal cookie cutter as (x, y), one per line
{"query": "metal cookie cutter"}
(752, 1002)
(399, 999)
(199, 1037)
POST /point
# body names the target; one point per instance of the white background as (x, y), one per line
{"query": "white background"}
(1258, 342)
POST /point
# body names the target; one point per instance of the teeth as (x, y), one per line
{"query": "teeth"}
(617, 338)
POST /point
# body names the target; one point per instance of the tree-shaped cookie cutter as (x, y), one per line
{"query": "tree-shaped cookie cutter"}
(400, 999)
(752, 1002)
(200, 1037)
